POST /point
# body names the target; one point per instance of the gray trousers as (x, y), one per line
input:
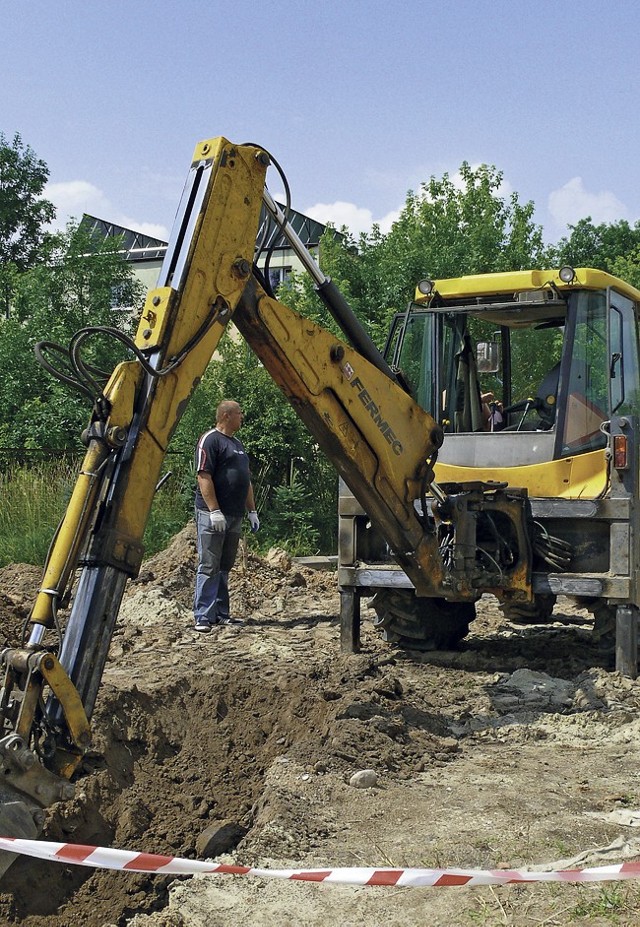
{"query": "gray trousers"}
(216, 556)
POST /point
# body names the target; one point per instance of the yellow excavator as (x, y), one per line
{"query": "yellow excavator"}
(440, 502)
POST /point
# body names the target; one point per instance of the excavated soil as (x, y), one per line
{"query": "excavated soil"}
(518, 750)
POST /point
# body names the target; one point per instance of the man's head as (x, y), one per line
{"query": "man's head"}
(229, 416)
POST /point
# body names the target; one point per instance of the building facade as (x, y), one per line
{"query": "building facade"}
(146, 253)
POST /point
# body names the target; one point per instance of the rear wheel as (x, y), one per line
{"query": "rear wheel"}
(418, 623)
(537, 612)
(604, 623)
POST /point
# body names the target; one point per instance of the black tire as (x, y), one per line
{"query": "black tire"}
(421, 624)
(603, 633)
(539, 611)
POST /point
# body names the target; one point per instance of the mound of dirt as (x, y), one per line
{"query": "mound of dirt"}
(18, 585)
(502, 753)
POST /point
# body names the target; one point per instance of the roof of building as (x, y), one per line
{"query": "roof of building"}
(308, 230)
(139, 247)
(136, 245)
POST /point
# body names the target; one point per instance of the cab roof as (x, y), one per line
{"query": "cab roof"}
(520, 281)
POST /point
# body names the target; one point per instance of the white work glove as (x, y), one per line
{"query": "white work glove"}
(217, 521)
(254, 521)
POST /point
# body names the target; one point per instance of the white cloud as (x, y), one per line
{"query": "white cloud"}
(76, 197)
(573, 202)
(356, 218)
(73, 198)
(340, 213)
(387, 220)
(153, 229)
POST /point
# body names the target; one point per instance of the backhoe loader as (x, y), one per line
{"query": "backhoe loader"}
(534, 378)
(544, 506)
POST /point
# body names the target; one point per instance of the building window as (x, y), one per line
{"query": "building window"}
(121, 297)
(278, 276)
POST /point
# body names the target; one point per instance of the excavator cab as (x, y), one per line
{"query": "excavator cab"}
(557, 361)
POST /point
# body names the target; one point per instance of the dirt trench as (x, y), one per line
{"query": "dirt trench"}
(263, 728)
(187, 727)
(171, 761)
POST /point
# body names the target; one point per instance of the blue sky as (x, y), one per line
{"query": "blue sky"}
(359, 100)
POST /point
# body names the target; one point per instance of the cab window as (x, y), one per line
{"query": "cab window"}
(587, 389)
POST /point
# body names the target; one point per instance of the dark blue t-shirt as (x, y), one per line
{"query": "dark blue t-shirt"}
(224, 457)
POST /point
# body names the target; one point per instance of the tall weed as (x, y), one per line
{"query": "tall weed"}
(172, 505)
(32, 502)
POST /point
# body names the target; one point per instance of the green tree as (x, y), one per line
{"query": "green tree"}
(450, 228)
(51, 302)
(598, 246)
(24, 212)
(627, 267)
(355, 265)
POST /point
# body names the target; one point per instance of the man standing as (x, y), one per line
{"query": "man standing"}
(223, 493)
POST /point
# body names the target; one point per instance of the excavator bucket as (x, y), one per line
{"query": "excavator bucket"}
(18, 818)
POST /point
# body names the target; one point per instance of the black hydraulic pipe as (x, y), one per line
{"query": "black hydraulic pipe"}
(329, 293)
(342, 312)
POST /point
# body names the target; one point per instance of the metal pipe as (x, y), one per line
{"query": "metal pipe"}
(296, 243)
(329, 293)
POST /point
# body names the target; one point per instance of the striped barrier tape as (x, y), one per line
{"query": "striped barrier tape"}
(132, 861)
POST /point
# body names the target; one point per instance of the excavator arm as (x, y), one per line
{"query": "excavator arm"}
(380, 441)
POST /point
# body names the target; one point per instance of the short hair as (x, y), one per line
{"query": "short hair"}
(226, 406)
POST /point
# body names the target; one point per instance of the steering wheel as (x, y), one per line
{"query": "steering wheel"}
(526, 405)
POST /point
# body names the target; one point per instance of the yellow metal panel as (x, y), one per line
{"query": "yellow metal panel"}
(378, 439)
(152, 328)
(584, 476)
(522, 280)
(120, 391)
(67, 695)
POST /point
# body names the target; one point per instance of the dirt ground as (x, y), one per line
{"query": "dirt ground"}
(518, 750)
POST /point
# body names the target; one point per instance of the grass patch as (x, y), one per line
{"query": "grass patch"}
(32, 501)
(615, 903)
(34, 498)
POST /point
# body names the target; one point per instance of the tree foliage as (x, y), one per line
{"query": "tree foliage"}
(450, 228)
(627, 267)
(24, 212)
(599, 246)
(51, 302)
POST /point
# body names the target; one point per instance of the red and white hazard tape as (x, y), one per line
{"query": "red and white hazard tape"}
(131, 861)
